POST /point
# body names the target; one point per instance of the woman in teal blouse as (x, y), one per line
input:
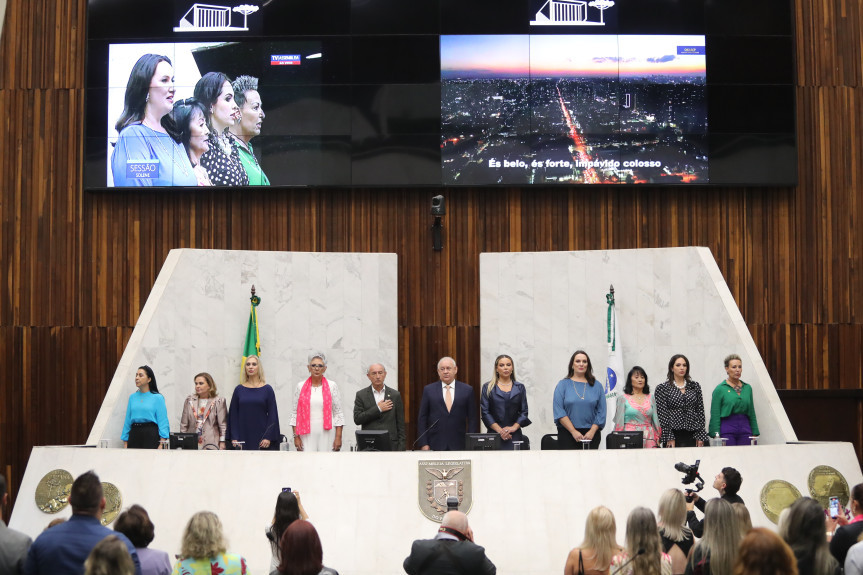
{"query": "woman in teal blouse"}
(732, 409)
(146, 413)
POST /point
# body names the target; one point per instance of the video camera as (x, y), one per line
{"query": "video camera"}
(691, 476)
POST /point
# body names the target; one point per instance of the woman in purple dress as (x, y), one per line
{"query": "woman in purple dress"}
(253, 419)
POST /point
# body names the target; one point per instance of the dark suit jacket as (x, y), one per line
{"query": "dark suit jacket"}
(447, 557)
(367, 414)
(448, 434)
(496, 408)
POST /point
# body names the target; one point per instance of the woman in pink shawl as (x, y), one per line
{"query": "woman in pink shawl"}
(317, 417)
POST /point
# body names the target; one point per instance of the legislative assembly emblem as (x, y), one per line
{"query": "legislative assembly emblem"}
(439, 480)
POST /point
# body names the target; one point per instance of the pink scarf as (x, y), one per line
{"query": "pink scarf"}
(304, 419)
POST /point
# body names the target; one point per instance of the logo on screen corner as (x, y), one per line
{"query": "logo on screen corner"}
(214, 18)
(572, 13)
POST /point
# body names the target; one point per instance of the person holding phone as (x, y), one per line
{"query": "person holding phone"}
(289, 508)
(846, 532)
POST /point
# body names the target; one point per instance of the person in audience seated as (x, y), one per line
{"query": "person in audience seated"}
(13, 544)
(594, 555)
(204, 550)
(805, 533)
(451, 552)
(636, 409)
(55, 522)
(109, 557)
(677, 538)
(447, 411)
(680, 406)
(579, 405)
(643, 547)
(715, 553)
(744, 521)
(317, 418)
(763, 552)
(146, 414)
(380, 406)
(253, 417)
(63, 549)
(301, 552)
(289, 508)
(135, 524)
(205, 413)
(847, 533)
(732, 409)
(503, 403)
(727, 482)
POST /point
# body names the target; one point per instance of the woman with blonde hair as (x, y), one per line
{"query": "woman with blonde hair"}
(205, 413)
(503, 403)
(599, 547)
(109, 557)
(203, 550)
(677, 538)
(763, 552)
(253, 417)
(715, 553)
(744, 520)
(644, 545)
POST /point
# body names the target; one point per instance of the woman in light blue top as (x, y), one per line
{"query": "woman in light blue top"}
(146, 413)
(579, 405)
(145, 155)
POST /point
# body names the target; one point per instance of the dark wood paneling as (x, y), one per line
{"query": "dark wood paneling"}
(76, 268)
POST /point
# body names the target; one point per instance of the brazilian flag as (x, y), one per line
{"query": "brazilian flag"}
(253, 338)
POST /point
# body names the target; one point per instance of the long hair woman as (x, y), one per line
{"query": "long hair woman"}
(109, 557)
(253, 417)
(301, 552)
(204, 550)
(503, 403)
(677, 538)
(763, 552)
(579, 405)
(644, 545)
(187, 124)
(715, 553)
(599, 547)
(289, 508)
(636, 408)
(222, 159)
(680, 406)
(146, 414)
(805, 532)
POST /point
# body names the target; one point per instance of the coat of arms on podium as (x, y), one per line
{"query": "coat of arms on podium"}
(439, 480)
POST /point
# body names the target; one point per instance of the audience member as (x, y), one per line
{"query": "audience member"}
(63, 549)
(805, 533)
(715, 553)
(848, 532)
(451, 552)
(744, 520)
(301, 552)
(55, 522)
(135, 524)
(380, 406)
(727, 483)
(289, 508)
(763, 552)
(317, 417)
(447, 411)
(13, 545)
(109, 557)
(643, 547)
(677, 538)
(204, 550)
(599, 547)
(854, 558)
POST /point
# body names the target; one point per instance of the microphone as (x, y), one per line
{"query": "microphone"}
(424, 432)
(625, 563)
(266, 431)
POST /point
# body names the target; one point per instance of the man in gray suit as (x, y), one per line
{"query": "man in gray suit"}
(380, 407)
(13, 545)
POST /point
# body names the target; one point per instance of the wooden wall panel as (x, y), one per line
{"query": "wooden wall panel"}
(77, 268)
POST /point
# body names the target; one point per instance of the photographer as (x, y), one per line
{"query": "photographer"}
(727, 483)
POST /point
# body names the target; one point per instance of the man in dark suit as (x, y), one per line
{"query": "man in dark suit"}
(451, 552)
(447, 411)
(380, 407)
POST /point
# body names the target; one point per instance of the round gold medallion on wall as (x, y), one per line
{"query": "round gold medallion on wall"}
(826, 482)
(52, 492)
(113, 502)
(776, 495)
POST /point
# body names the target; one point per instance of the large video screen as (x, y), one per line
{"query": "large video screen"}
(442, 93)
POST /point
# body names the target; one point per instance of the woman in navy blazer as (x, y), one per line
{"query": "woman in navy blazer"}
(503, 403)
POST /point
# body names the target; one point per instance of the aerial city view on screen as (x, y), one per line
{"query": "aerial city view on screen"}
(583, 109)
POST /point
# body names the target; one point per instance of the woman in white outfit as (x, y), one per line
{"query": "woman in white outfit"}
(317, 418)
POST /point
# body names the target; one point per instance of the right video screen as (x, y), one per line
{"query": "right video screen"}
(580, 109)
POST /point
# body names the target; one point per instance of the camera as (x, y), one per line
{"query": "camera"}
(452, 503)
(690, 476)
(438, 206)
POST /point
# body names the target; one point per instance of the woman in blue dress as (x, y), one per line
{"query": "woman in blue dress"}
(145, 154)
(579, 405)
(503, 403)
(253, 418)
(146, 414)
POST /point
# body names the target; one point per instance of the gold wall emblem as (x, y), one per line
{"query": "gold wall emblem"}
(441, 479)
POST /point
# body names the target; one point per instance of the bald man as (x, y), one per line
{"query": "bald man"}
(380, 406)
(451, 552)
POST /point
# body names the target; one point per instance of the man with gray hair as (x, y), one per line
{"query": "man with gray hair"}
(451, 552)
(252, 118)
(447, 411)
(380, 406)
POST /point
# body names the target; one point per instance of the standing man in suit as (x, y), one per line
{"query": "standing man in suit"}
(13, 544)
(380, 406)
(451, 552)
(447, 411)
